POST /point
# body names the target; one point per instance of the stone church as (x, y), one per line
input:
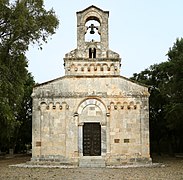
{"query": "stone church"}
(92, 116)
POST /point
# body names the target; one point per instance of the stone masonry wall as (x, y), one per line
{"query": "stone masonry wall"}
(56, 123)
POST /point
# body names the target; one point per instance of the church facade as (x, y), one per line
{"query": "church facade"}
(92, 116)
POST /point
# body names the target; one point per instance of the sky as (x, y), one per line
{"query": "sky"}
(140, 31)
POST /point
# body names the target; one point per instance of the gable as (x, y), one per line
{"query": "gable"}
(94, 7)
(90, 86)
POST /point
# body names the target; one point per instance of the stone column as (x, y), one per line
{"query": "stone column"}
(80, 139)
(103, 140)
(108, 133)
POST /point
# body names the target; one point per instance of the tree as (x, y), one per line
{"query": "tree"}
(154, 77)
(21, 23)
(174, 91)
(166, 100)
(23, 135)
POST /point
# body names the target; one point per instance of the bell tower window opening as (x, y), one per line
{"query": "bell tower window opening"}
(92, 52)
(92, 31)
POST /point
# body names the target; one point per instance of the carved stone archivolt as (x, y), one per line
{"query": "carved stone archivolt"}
(92, 110)
(91, 102)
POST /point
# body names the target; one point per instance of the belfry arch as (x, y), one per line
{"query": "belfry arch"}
(92, 32)
(92, 14)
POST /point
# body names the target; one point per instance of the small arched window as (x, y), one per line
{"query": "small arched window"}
(92, 52)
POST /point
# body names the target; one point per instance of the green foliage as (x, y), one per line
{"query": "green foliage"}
(23, 134)
(165, 82)
(22, 22)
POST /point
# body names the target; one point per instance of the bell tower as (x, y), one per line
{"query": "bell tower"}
(93, 15)
(92, 56)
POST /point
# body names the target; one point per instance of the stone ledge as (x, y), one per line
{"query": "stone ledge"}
(24, 165)
(43, 166)
(153, 165)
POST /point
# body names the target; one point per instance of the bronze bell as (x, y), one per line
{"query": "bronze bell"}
(92, 29)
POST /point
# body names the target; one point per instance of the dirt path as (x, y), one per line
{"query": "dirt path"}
(173, 170)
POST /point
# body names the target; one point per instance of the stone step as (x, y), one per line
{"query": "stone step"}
(92, 161)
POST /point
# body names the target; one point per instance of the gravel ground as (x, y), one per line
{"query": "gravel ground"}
(172, 170)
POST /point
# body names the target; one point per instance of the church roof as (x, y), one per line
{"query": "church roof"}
(64, 77)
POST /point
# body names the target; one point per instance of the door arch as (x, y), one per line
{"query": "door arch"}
(92, 111)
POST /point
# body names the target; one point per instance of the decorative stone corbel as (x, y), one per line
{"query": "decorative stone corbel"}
(81, 124)
(47, 107)
(76, 114)
(103, 123)
(108, 107)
